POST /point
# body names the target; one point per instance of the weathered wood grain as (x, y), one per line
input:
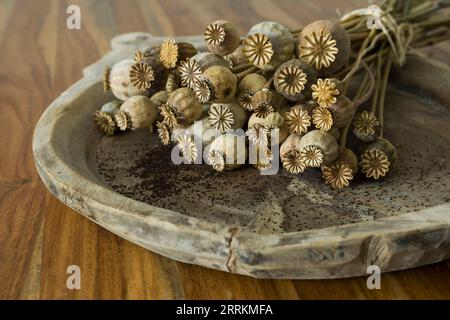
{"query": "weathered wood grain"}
(40, 237)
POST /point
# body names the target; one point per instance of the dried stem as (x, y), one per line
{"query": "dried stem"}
(269, 83)
(379, 64)
(365, 48)
(242, 74)
(387, 70)
(241, 67)
(366, 86)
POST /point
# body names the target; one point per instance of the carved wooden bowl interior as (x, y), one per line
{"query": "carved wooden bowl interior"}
(280, 226)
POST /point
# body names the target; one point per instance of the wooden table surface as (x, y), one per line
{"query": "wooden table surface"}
(40, 237)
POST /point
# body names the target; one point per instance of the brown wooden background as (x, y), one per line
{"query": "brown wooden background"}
(40, 237)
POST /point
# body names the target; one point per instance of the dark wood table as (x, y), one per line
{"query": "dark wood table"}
(40, 237)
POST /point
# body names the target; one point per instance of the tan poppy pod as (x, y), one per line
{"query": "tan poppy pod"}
(293, 80)
(308, 105)
(223, 83)
(366, 126)
(185, 50)
(268, 45)
(290, 143)
(152, 51)
(111, 107)
(252, 83)
(222, 37)
(206, 134)
(323, 141)
(348, 157)
(208, 59)
(152, 58)
(173, 82)
(268, 97)
(227, 116)
(324, 44)
(290, 155)
(272, 121)
(326, 91)
(342, 111)
(141, 111)
(386, 147)
(120, 83)
(159, 97)
(173, 53)
(378, 158)
(227, 152)
(187, 106)
(237, 58)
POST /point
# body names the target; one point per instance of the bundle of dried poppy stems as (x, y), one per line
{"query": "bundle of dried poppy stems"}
(297, 83)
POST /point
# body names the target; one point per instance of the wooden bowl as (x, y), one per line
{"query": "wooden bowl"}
(279, 226)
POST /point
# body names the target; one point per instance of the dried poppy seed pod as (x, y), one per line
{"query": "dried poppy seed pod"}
(227, 116)
(189, 73)
(151, 57)
(290, 155)
(337, 175)
(378, 158)
(173, 82)
(367, 127)
(223, 83)
(237, 58)
(159, 97)
(172, 53)
(386, 147)
(111, 107)
(322, 118)
(252, 83)
(206, 134)
(268, 45)
(291, 142)
(120, 83)
(319, 141)
(105, 122)
(142, 112)
(324, 44)
(227, 152)
(222, 37)
(267, 101)
(293, 80)
(348, 157)
(342, 111)
(149, 52)
(308, 105)
(326, 91)
(187, 106)
(273, 121)
(297, 119)
(208, 59)
(185, 51)
(203, 90)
